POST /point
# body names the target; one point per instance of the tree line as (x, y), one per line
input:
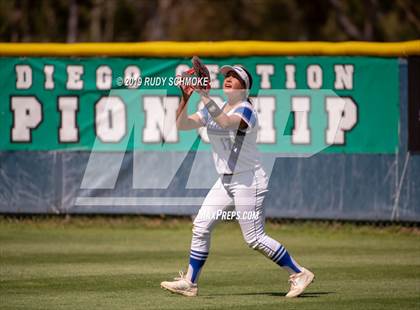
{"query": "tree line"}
(214, 20)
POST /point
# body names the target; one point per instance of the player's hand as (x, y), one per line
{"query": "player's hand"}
(186, 90)
(203, 92)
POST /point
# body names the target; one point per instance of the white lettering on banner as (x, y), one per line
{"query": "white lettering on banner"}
(343, 76)
(27, 115)
(214, 70)
(68, 107)
(160, 119)
(160, 111)
(342, 116)
(180, 69)
(74, 77)
(23, 77)
(103, 78)
(314, 76)
(110, 119)
(301, 133)
(290, 76)
(133, 73)
(265, 71)
(301, 107)
(265, 107)
(49, 81)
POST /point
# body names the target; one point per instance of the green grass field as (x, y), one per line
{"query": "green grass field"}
(104, 263)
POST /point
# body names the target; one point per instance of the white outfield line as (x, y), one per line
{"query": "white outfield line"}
(138, 201)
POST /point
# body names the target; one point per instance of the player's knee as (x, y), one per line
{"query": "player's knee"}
(200, 232)
(254, 244)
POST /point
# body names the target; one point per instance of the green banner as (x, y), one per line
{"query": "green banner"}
(304, 104)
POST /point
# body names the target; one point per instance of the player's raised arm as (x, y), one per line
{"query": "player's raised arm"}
(221, 118)
(183, 120)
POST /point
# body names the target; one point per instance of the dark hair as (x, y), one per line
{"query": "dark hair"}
(250, 82)
(248, 74)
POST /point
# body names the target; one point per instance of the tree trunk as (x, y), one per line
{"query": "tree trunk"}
(345, 22)
(72, 22)
(95, 21)
(110, 20)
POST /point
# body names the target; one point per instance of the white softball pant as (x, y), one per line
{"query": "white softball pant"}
(244, 193)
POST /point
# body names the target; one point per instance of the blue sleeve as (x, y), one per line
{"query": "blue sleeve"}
(204, 115)
(247, 114)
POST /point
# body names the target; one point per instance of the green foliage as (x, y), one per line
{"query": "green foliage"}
(186, 20)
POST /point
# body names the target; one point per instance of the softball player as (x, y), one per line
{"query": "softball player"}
(242, 185)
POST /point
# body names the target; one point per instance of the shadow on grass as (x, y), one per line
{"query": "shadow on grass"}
(278, 294)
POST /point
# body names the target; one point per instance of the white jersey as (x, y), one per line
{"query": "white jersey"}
(233, 150)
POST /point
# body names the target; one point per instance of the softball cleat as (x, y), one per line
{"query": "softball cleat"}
(181, 285)
(299, 282)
